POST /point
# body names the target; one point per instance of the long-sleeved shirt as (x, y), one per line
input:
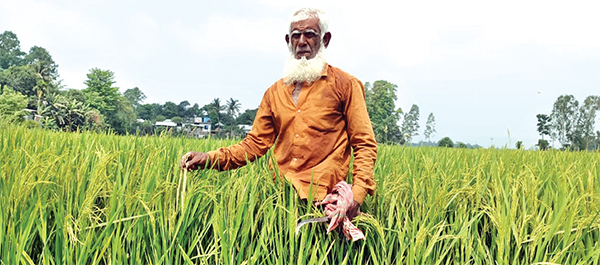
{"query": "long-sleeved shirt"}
(315, 137)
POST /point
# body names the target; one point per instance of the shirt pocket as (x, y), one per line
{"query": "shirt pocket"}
(324, 118)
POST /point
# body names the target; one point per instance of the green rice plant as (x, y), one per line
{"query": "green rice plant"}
(88, 198)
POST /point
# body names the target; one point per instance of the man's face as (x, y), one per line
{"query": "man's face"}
(305, 38)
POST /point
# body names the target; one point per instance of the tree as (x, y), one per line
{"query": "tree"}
(170, 109)
(214, 110)
(519, 145)
(69, 114)
(43, 63)
(160, 118)
(382, 111)
(135, 96)
(233, 107)
(544, 124)
(178, 120)
(100, 92)
(461, 145)
(543, 144)
(10, 50)
(247, 117)
(446, 142)
(12, 104)
(21, 79)
(149, 111)
(195, 111)
(584, 132)
(410, 125)
(564, 118)
(182, 109)
(429, 127)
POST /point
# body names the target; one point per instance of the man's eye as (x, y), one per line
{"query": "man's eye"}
(296, 35)
(309, 35)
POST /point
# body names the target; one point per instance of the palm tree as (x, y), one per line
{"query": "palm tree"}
(216, 108)
(233, 107)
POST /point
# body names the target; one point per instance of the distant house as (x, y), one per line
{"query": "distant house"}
(165, 123)
(32, 114)
(200, 127)
(246, 128)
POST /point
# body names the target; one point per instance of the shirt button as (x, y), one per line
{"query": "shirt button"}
(297, 135)
(295, 159)
(298, 111)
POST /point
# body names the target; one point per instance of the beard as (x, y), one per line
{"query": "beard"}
(304, 70)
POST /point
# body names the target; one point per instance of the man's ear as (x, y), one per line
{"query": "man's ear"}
(326, 39)
(287, 39)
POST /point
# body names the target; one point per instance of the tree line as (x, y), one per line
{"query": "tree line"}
(29, 81)
(571, 124)
(385, 117)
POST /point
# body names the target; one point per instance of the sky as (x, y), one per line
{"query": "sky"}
(483, 68)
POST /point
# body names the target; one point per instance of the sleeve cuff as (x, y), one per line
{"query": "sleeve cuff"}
(359, 193)
(212, 157)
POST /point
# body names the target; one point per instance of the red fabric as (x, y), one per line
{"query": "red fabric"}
(336, 206)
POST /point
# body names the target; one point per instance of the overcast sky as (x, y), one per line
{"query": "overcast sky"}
(483, 69)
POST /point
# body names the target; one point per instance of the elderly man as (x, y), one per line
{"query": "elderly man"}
(317, 116)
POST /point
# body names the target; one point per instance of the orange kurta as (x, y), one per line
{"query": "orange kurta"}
(314, 137)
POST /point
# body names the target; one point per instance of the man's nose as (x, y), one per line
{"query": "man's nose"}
(302, 40)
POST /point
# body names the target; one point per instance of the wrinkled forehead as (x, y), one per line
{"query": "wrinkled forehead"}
(306, 25)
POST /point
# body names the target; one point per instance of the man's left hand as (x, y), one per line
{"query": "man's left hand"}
(353, 210)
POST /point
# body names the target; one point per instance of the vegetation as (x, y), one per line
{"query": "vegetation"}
(446, 142)
(571, 124)
(92, 198)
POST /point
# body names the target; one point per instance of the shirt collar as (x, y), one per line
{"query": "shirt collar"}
(324, 73)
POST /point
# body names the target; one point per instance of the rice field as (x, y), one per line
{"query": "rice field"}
(86, 198)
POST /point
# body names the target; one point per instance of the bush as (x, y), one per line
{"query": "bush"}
(446, 142)
(31, 124)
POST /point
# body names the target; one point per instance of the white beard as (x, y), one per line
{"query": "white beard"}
(303, 70)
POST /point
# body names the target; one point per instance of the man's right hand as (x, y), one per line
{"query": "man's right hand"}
(193, 160)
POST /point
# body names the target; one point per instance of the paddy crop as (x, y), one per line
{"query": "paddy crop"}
(86, 198)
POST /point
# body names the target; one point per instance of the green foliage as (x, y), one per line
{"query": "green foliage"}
(177, 120)
(384, 116)
(564, 118)
(12, 105)
(170, 109)
(461, 145)
(31, 124)
(100, 93)
(102, 199)
(544, 124)
(584, 132)
(519, 145)
(429, 127)
(22, 79)
(410, 124)
(215, 112)
(232, 106)
(543, 144)
(150, 112)
(446, 142)
(69, 114)
(10, 50)
(572, 124)
(247, 117)
(135, 96)
(42, 62)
